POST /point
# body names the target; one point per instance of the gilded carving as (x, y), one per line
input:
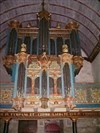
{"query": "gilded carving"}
(54, 65)
(18, 102)
(54, 32)
(95, 94)
(55, 73)
(65, 57)
(44, 102)
(32, 101)
(44, 61)
(44, 14)
(5, 96)
(56, 101)
(34, 65)
(15, 24)
(9, 60)
(72, 25)
(69, 102)
(58, 26)
(81, 96)
(22, 56)
(78, 61)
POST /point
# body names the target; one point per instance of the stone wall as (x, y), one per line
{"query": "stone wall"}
(13, 126)
(86, 73)
(4, 76)
(96, 68)
(84, 125)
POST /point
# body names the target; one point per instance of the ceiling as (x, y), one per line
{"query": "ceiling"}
(85, 12)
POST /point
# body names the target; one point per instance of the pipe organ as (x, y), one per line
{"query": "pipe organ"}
(43, 62)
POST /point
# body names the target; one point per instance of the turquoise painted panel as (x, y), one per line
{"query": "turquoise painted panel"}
(6, 106)
(87, 105)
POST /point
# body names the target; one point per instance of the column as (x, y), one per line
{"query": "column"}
(72, 92)
(48, 89)
(16, 79)
(25, 84)
(74, 125)
(62, 81)
(40, 86)
(6, 126)
(13, 72)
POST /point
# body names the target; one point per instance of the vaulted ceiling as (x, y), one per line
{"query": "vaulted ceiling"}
(84, 12)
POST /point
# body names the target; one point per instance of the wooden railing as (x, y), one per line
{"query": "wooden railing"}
(86, 95)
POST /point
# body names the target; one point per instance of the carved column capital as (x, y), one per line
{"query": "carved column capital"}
(66, 58)
(7, 119)
(74, 119)
(78, 61)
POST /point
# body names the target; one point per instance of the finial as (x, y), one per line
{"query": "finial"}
(29, 25)
(23, 47)
(43, 4)
(64, 48)
(58, 25)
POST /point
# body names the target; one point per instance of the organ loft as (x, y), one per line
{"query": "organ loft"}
(43, 62)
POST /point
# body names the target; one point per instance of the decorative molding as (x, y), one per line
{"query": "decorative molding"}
(22, 56)
(6, 95)
(54, 32)
(47, 115)
(87, 93)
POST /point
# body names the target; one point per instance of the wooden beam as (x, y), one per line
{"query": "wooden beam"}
(48, 115)
(95, 51)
